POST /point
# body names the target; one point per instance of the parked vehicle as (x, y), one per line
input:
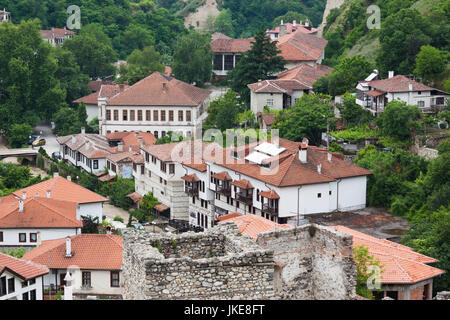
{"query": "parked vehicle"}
(33, 138)
(56, 155)
(138, 226)
(38, 142)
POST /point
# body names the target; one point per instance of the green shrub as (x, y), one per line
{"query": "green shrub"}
(117, 218)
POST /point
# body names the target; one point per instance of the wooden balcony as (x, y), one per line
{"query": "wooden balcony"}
(266, 208)
(225, 190)
(191, 190)
(243, 196)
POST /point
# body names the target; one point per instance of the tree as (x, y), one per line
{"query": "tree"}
(352, 113)
(402, 35)
(95, 58)
(140, 64)
(398, 119)
(149, 202)
(366, 270)
(306, 119)
(90, 225)
(430, 63)
(192, 58)
(119, 191)
(347, 73)
(290, 16)
(29, 89)
(68, 121)
(224, 23)
(19, 135)
(223, 111)
(258, 63)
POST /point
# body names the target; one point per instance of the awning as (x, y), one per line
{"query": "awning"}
(224, 176)
(135, 197)
(161, 207)
(269, 194)
(242, 184)
(191, 178)
(375, 93)
(106, 177)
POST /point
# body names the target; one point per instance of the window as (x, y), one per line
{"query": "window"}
(147, 157)
(163, 133)
(86, 277)
(33, 237)
(125, 115)
(147, 115)
(155, 115)
(319, 195)
(269, 102)
(421, 104)
(329, 192)
(115, 280)
(170, 115)
(171, 168)
(229, 61)
(163, 115)
(156, 133)
(154, 159)
(142, 169)
(257, 194)
(180, 115)
(33, 294)
(2, 286)
(24, 284)
(113, 167)
(116, 115)
(163, 166)
(25, 296)
(139, 115)
(188, 115)
(218, 62)
(11, 285)
(1, 236)
(108, 114)
(95, 164)
(131, 115)
(31, 282)
(22, 237)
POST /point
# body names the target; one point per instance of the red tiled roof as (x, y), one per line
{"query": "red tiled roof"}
(400, 264)
(56, 33)
(161, 207)
(253, 225)
(136, 197)
(110, 90)
(106, 177)
(160, 90)
(243, 184)
(398, 83)
(229, 216)
(93, 146)
(224, 45)
(270, 194)
(89, 99)
(224, 176)
(291, 28)
(190, 178)
(62, 189)
(268, 118)
(38, 213)
(89, 251)
(218, 35)
(95, 85)
(299, 46)
(24, 269)
(375, 93)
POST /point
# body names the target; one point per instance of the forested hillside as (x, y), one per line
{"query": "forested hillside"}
(406, 26)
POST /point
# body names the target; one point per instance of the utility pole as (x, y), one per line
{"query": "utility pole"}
(328, 133)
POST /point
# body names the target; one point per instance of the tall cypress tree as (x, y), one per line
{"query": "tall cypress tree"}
(258, 63)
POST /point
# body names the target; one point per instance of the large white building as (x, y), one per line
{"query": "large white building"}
(21, 279)
(156, 104)
(373, 93)
(280, 181)
(93, 260)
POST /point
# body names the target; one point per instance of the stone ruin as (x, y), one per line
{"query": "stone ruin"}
(307, 262)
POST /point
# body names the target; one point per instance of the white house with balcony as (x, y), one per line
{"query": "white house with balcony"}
(157, 104)
(281, 181)
(373, 94)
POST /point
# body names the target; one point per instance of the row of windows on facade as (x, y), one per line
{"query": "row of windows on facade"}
(162, 165)
(225, 62)
(158, 115)
(86, 279)
(22, 237)
(9, 286)
(81, 158)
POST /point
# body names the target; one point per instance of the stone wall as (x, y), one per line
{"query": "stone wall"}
(443, 295)
(216, 264)
(311, 262)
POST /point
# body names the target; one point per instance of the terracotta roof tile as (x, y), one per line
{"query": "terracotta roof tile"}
(268, 118)
(252, 225)
(190, 178)
(270, 194)
(89, 99)
(25, 269)
(398, 83)
(224, 45)
(39, 213)
(160, 90)
(136, 197)
(224, 176)
(89, 251)
(62, 189)
(299, 46)
(161, 207)
(242, 184)
(400, 264)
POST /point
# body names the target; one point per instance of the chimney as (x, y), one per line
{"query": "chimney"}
(68, 247)
(38, 239)
(303, 153)
(282, 22)
(48, 193)
(306, 23)
(319, 169)
(87, 145)
(410, 87)
(164, 84)
(329, 157)
(20, 205)
(283, 29)
(121, 87)
(74, 139)
(120, 147)
(129, 148)
(305, 141)
(391, 74)
(55, 174)
(69, 178)
(83, 130)
(24, 195)
(294, 23)
(78, 213)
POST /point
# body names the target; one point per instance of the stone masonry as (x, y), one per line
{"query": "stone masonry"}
(307, 262)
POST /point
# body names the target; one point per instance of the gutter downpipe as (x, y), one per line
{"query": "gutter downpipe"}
(298, 205)
(337, 194)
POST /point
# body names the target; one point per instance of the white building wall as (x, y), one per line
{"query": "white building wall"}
(92, 111)
(11, 236)
(259, 100)
(92, 209)
(19, 291)
(352, 193)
